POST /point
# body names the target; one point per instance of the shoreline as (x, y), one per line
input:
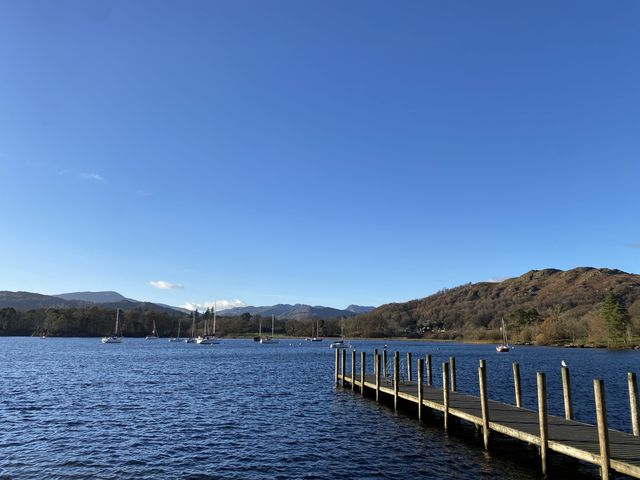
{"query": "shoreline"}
(577, 345)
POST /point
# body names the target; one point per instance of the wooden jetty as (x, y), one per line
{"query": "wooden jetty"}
(597, 444)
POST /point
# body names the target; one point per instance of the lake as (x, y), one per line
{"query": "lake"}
(76, 408)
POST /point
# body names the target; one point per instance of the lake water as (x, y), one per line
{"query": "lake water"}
(75, 408)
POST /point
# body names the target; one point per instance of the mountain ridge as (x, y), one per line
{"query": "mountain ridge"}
(296, 311)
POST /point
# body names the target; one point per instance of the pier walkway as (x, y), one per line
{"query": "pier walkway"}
(596, 444)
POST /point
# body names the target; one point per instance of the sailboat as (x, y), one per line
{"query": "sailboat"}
(177, 339)
(192, 338)
(340, 343)
(267, 339)
(315, 336)
(115, 337)
(209, 338)
(154, 333)
(504, 347)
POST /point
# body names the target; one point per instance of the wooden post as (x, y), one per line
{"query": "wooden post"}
(633, 402)
(363, 371)
(337, 365)
(384, 362)
(516, 384)
(603, 429)
(484, 405)
(429, 372)
(566, 391)
(452, 374)
(542, 420)
(445, 393)
(377, 372)
(396, 379)
(409, 377)
(420, 388)
(353, 369)
(344, 366)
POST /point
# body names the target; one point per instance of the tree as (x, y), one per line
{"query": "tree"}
(616, 318)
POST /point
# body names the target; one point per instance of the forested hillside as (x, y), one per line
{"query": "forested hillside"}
(543, 306)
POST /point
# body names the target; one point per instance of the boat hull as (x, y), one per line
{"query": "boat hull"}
(111, 339)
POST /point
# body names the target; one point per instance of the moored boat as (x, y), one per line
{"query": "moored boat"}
(504, 346)
(116, 336)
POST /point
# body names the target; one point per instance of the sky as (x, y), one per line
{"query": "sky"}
(320, 152)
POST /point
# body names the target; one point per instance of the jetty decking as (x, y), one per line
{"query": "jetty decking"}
(596, 444)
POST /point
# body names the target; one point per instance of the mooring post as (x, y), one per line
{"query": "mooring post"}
(363, 371)
(420, 389)
(452, 373)
(516, 384)
(353, 369)
(377, 372)
(344, 366)
(542, 420)
(409, 377)
(633, 402)
(429, 372)
(603, 428)
(483, 363)
(566, 393)
(396, 379)
(445, 393)
(384, 362)
(484, 405)
(337, 365)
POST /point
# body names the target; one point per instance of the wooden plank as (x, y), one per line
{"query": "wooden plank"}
(542, 419)
(516, 384)
(633, 402)
(482, 378)
(566, 393)
(603, 429)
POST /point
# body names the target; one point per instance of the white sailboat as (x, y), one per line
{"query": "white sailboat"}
(115, 337)
(154, 333)
(267, 339)
(504, 347)
(177, 339)
(315, 335)
(209, 338)
(340, 343)
(192, 338)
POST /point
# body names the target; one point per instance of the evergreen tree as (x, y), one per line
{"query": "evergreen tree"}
(616, 318)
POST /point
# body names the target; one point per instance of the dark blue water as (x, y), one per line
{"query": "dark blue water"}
(75, 408)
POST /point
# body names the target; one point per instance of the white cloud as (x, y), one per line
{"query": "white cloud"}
(162, 285)
(220, 305)
(96, 177)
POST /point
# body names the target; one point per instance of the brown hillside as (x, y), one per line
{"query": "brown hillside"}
(573, 295)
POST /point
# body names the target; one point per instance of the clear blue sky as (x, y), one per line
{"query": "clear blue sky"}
(323, 152)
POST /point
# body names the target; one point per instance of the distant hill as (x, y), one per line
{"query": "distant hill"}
(570, 298)
(30, 301)
(293, 312)
(359, 309)
(94, 297)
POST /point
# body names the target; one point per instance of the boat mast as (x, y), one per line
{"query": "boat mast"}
(193, 324)
(117, 320)
(272, 324)
(260, 327)
(214, 319)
